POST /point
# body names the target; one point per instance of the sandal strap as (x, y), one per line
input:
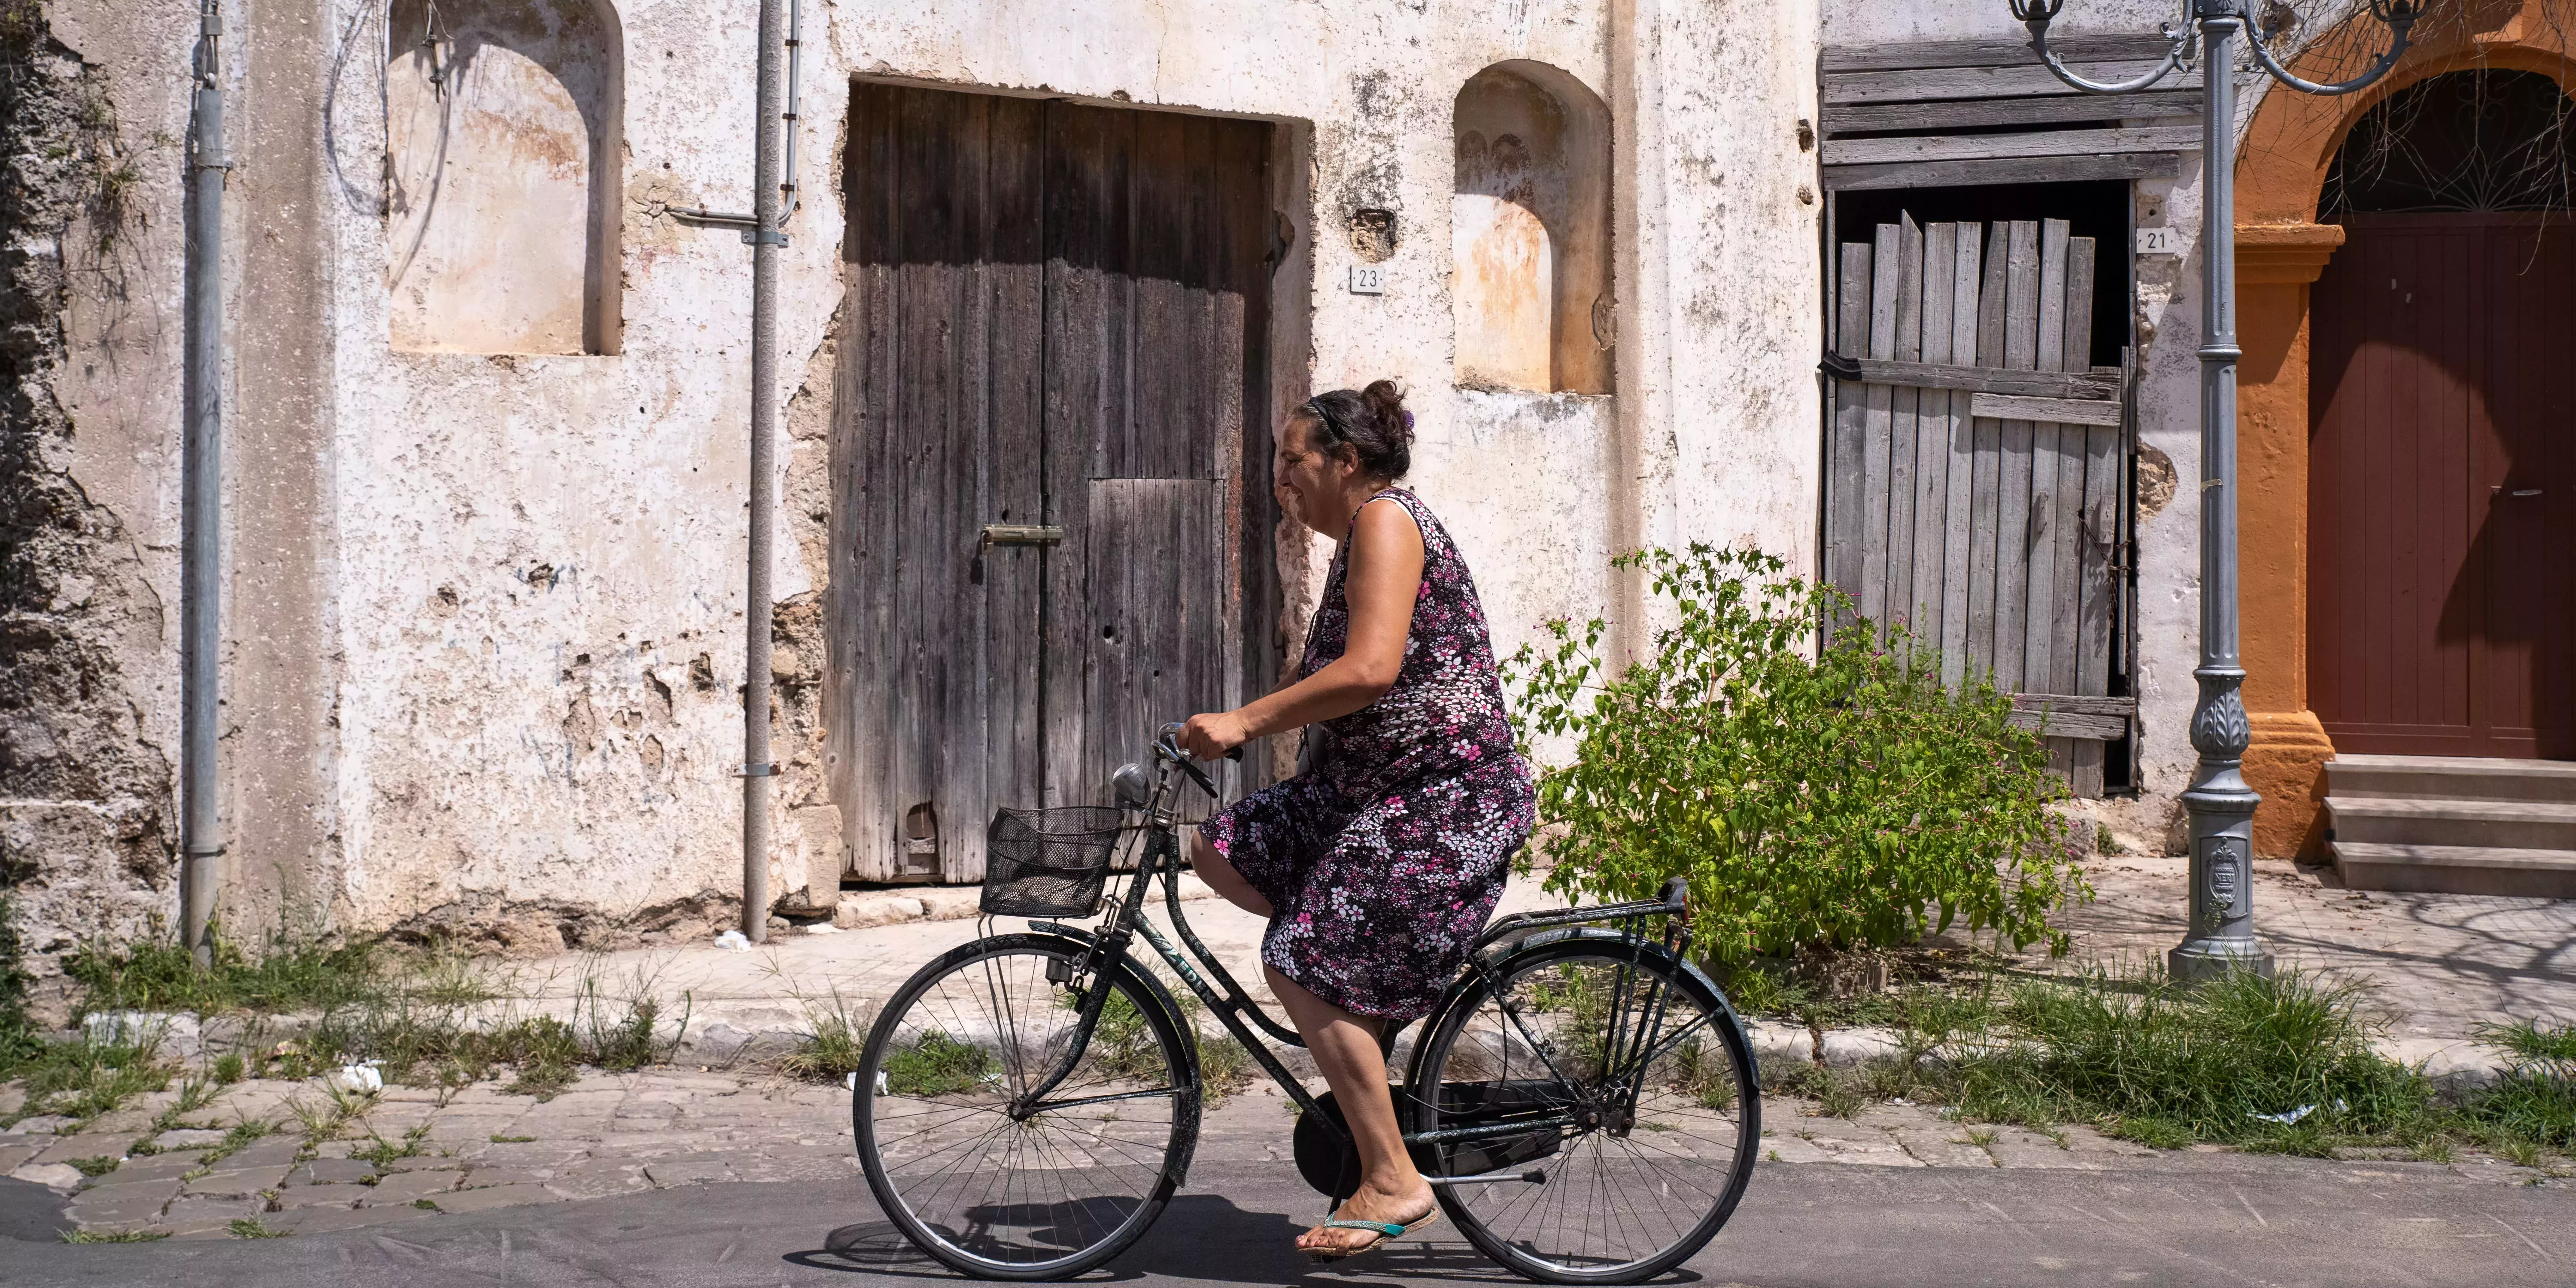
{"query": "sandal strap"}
(1388, 1228)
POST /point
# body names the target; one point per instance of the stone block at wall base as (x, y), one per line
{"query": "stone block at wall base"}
(2287, 764)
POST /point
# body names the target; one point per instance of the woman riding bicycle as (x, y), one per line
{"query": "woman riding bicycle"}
(1379, 863)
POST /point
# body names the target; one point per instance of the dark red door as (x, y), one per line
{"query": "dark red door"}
(2442, 487)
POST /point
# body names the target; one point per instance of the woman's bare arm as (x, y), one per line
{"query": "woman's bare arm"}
(1383, 577)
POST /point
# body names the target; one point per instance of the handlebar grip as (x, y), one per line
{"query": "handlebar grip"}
(1677, 893)
(1171, 737)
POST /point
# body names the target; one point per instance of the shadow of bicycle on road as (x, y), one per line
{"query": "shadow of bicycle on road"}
(1202, 1237)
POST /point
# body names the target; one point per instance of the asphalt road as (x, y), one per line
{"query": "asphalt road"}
(2230, 1221)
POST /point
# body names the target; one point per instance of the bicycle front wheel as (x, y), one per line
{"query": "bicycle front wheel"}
(1045, 1190)
(1605, 1099)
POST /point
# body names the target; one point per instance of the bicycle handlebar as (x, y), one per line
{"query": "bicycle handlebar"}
(1168, 745)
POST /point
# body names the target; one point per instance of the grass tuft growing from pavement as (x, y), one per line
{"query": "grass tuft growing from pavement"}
(2278, 1064)
(251, 1227)
(113, 1236)
(81, 1079)
(2282, 1065)
(2536, 1101)
(831, 1048)
(158, 974)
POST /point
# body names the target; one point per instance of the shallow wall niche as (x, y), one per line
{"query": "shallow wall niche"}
(1530, 231)
(502, 183)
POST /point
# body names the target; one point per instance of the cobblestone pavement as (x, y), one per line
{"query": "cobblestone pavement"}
(2438, 966)
(407, 1156)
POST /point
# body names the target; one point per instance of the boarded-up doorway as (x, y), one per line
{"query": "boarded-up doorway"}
(1050, 456)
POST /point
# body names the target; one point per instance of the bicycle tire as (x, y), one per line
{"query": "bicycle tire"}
(992, 1219)
(1589, 1224)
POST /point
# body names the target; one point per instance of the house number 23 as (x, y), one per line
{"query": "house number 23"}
(1368, 279)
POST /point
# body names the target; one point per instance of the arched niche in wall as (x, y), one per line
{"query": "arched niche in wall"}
(1530, 231)
(503, 179)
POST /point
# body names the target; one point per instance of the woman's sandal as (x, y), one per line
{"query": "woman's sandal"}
(1386, 1230)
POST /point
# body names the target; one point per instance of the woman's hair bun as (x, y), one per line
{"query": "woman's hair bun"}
(1372, 422)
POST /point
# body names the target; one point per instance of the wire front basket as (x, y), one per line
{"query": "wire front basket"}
(1048, 862)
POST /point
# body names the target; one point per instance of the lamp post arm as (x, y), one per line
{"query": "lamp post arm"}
(2037, 22)
(2400, 18)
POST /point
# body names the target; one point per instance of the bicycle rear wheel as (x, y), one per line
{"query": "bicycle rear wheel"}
(1044, 1193)
(1636, 1089)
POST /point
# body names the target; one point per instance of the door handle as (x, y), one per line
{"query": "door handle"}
(2526, 491)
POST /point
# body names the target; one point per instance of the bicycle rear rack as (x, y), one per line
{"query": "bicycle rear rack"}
(1675, 904)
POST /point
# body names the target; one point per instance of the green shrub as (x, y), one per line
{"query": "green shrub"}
(1816, 798)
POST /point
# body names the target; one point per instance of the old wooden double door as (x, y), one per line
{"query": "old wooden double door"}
(2442, 487)
(1049, 455)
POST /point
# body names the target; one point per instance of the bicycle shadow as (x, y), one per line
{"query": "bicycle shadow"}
(1202, 1237)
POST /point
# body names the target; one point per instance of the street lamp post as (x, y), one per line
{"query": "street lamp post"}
(2221, 937)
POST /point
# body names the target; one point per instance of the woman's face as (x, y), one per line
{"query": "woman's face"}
(1312, 485)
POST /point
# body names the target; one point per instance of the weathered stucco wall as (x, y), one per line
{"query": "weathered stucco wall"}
(486, 609)
(89, 367)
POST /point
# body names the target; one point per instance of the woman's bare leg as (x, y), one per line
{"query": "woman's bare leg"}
(1345, 1048)
(1222, 878)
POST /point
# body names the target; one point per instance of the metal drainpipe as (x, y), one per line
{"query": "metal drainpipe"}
(766, 239)
(201, 495)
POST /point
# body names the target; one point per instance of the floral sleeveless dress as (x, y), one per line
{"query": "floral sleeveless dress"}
(1384, 859)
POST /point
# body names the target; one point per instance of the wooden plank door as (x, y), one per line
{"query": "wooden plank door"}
(1156, 317)
(1952, 505)
(2440, 517)
(1056, 320)
(935, 639)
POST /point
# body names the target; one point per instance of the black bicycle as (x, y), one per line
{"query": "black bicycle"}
(1581, 1097)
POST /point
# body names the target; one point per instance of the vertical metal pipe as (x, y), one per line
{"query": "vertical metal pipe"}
(2221, 936)
(765, 240)
(201, 495)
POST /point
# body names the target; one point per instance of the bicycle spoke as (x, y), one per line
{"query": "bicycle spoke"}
(1608, 1040)
(1078, 1173)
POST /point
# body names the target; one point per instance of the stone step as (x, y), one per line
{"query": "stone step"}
(2456, 869)
(2452, 778)
(2521, 825)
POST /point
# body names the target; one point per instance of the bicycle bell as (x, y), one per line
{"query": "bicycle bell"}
(1131, 785)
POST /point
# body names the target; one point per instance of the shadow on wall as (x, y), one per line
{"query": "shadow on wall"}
(502, 187)
(1530, 230)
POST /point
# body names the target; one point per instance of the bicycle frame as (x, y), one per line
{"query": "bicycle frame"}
(1631, 1052)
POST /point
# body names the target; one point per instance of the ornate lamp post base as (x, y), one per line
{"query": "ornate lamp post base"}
(2221, 938)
